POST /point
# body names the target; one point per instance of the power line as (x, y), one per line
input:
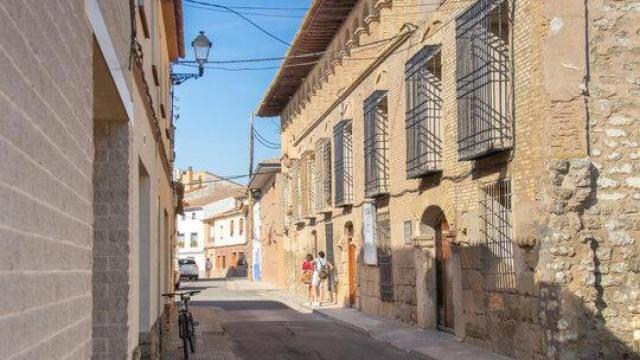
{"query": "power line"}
(241, 16)
(261, 137)
(279, 16)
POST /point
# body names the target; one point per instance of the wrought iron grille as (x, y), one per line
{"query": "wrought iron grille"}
(307, 185)
(284, 200)
(323, 175)
(376, 134)
(385, 263)
(296, 196)
(343, 157)
(423, 84)
(498, 246)
(482, 40)
(328, 231)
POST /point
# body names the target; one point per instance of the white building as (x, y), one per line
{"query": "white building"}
(193, 234)
(227, 241)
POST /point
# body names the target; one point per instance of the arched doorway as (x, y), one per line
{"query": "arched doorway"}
(351, 262)
(435, 219)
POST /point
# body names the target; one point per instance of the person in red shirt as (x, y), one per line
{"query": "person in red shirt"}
(307, 273)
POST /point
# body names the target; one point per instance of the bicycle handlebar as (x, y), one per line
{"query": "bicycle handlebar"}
(182, 293)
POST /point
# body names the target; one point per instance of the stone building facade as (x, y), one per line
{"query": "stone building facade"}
(496, 142)
(265, 187)
(88, 152)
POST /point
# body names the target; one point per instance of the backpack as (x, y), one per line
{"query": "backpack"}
(323, 271)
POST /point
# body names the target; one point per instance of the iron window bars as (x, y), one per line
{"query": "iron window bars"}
(343, 157)
(284, 200)
(385, 259)
(307, 185)
(482, 40)
(296, 197)
(376, 134)
(423, 86)
(323, 176)
(498, 246)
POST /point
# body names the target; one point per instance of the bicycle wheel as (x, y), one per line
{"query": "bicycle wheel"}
(192, 342)
(184, 333)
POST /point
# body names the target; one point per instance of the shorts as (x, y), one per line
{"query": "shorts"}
(315, 279)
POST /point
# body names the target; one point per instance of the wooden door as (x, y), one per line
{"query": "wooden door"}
(444, 276)
(352, 274)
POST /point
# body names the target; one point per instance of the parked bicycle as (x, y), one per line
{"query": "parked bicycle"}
(186, 325)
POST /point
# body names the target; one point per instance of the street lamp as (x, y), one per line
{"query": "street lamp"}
(201, 47)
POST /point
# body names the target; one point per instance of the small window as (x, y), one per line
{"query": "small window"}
(194, 239)
(231, 227)
(180, 240)
(240, 226)
(498, 259)
(193, 215)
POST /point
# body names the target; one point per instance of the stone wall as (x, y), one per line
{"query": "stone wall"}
(46, 155)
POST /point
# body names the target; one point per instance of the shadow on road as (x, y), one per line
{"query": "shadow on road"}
(240, 305)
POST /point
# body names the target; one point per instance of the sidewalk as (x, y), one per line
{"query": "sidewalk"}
(433, 344)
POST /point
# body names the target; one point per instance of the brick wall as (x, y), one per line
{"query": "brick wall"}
(46, 180)
(272, 264)
(111, 253)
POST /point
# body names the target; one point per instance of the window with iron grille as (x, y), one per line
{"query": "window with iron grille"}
(343, 157)
(423, 84)
(385, 263)
(296, 198)
(284, 199)
(483, 82)
(323, 176)
(498, 246)
(376, 134)
(307, 185)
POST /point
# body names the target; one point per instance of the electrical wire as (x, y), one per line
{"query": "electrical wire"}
(223, 178)
(265, 141)
(263, 30)
(278, 16)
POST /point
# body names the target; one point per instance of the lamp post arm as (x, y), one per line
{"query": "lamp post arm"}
(179, 78)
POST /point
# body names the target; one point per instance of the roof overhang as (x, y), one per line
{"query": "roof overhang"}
(174, 26)
(263, 173)
(319, 26)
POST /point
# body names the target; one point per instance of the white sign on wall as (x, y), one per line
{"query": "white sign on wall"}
(369, 233)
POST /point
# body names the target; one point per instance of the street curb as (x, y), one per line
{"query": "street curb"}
(345, 323)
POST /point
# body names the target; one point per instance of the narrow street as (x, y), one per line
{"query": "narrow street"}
(255, 325)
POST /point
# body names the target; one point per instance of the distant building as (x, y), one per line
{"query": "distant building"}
(208, 198)
(226, 244)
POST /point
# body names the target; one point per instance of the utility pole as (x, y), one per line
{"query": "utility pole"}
(251, 120)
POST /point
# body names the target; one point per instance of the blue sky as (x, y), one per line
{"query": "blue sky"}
(212, 130)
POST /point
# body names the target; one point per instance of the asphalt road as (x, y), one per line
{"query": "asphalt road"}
(261, 328)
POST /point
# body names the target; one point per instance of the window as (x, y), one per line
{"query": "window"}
(498, 246)
(423, 84)
(343, 157)
(193, 215)
(240, 226)
(183, 217)
(180, 240)
(231, 227)
(323, 176)
(385, 260)
(194, 239)
(295, 192)
(307, 184)
(376, 133)
(483, 84)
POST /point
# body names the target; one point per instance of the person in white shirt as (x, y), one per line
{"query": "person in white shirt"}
(321, 268)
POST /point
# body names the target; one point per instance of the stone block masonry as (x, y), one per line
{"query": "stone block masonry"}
(46, 155)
